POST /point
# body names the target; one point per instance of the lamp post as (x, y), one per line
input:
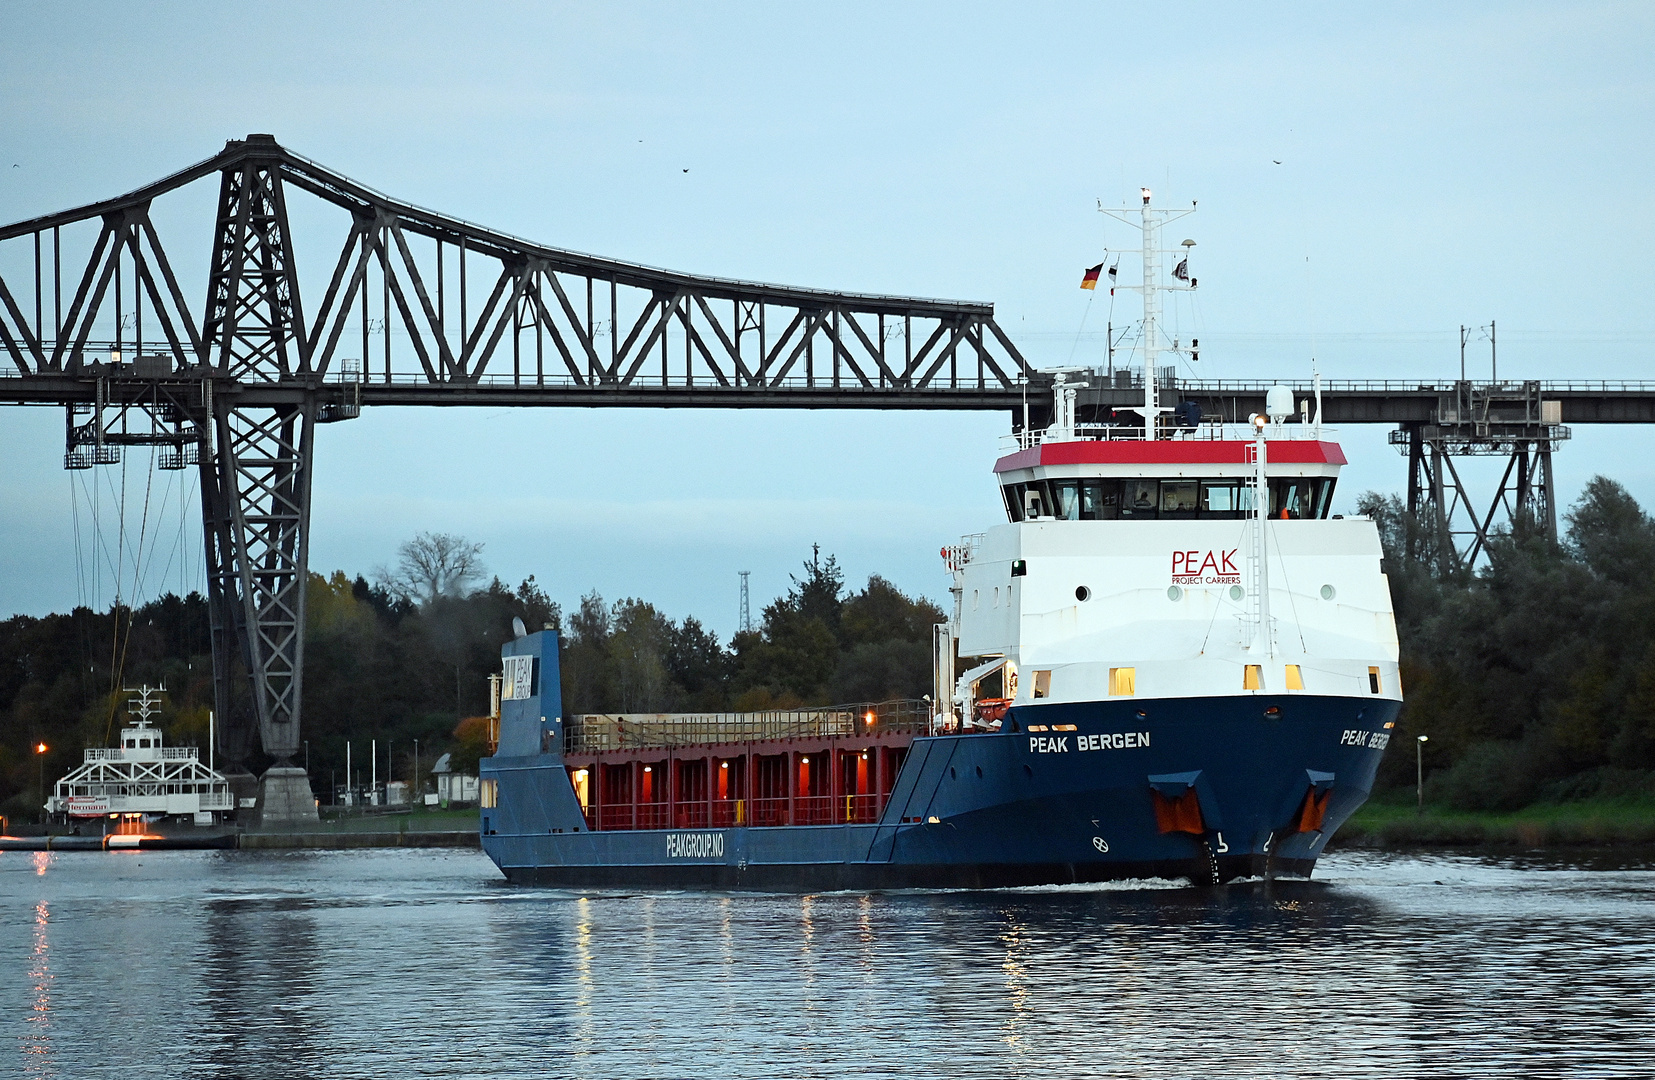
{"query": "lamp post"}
(1419, 772)
(40, 782)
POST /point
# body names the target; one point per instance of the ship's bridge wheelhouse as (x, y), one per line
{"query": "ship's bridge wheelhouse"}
(1108, 498)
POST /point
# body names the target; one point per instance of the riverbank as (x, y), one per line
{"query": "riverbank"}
(318, 841)
(417, 828)
(1393, 823)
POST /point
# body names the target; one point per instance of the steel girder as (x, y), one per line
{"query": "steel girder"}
(255, 475)
(1448, 529)
(540, 318)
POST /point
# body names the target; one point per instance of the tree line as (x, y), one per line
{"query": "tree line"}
(405, 655)
(1534, 677)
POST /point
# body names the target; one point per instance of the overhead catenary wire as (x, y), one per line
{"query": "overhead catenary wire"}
(117, 668)
(83, 626)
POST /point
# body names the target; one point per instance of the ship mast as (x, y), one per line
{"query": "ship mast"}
(1150, 220)
(1152, 316)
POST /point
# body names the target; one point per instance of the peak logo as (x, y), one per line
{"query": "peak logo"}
(1215, 567)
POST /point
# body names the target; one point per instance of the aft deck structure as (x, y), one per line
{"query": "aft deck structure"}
(824, 766)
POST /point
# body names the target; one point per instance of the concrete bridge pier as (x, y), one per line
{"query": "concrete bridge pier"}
(285, 798)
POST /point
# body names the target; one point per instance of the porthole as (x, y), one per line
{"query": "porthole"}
(979, 772)
(976, 598)
(952, 775)
(1174, 592)
(1083, 594)
(1237, 592)
(1329, 592)
(996, 596)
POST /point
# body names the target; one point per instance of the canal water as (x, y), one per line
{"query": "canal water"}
(424, 963)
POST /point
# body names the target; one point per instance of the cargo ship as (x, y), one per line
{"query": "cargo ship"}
(1169, 661)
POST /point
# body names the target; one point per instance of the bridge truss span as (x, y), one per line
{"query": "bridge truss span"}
(414, 295)
(404, 306)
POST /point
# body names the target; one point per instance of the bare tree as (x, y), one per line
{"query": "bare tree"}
(433, 565)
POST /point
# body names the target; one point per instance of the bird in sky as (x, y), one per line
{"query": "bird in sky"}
(1276, 162)
(686, 170)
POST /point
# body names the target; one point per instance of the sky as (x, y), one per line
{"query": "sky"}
(1369, 179)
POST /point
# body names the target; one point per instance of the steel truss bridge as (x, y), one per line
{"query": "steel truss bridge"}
(93, 318)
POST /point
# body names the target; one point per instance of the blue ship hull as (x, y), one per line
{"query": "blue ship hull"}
(1009, 809)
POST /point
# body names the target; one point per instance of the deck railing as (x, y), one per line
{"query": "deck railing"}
(117, 753)
(597, 733)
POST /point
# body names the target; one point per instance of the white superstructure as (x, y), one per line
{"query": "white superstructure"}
(142, 776)
(1166, 561)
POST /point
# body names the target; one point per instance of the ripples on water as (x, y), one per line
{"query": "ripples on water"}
(404, 963)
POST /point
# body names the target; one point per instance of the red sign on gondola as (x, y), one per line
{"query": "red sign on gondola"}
(87, 805)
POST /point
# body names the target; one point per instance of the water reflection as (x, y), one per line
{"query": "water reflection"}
(422, 963)
(37, 1035)
(585, 1026)
(1014, 939)
(261, 964)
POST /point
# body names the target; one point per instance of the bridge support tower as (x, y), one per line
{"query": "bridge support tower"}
(1450, 530)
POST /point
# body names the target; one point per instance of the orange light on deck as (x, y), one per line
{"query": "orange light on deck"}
(804, 761)
(40, 748)
(868, 719)
(649, 768)
(724, 764)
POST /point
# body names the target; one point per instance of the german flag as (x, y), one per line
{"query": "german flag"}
(1090, 280)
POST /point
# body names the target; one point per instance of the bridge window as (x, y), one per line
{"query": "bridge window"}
(1100, 500)
(1178, 498)
(1107, 499)
(1065, 499)
(1042, 684)
(1303, 498)
(1373, 680)
(1123, 681)
(1139, 498)
(1295, 680)
(1253, 677)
